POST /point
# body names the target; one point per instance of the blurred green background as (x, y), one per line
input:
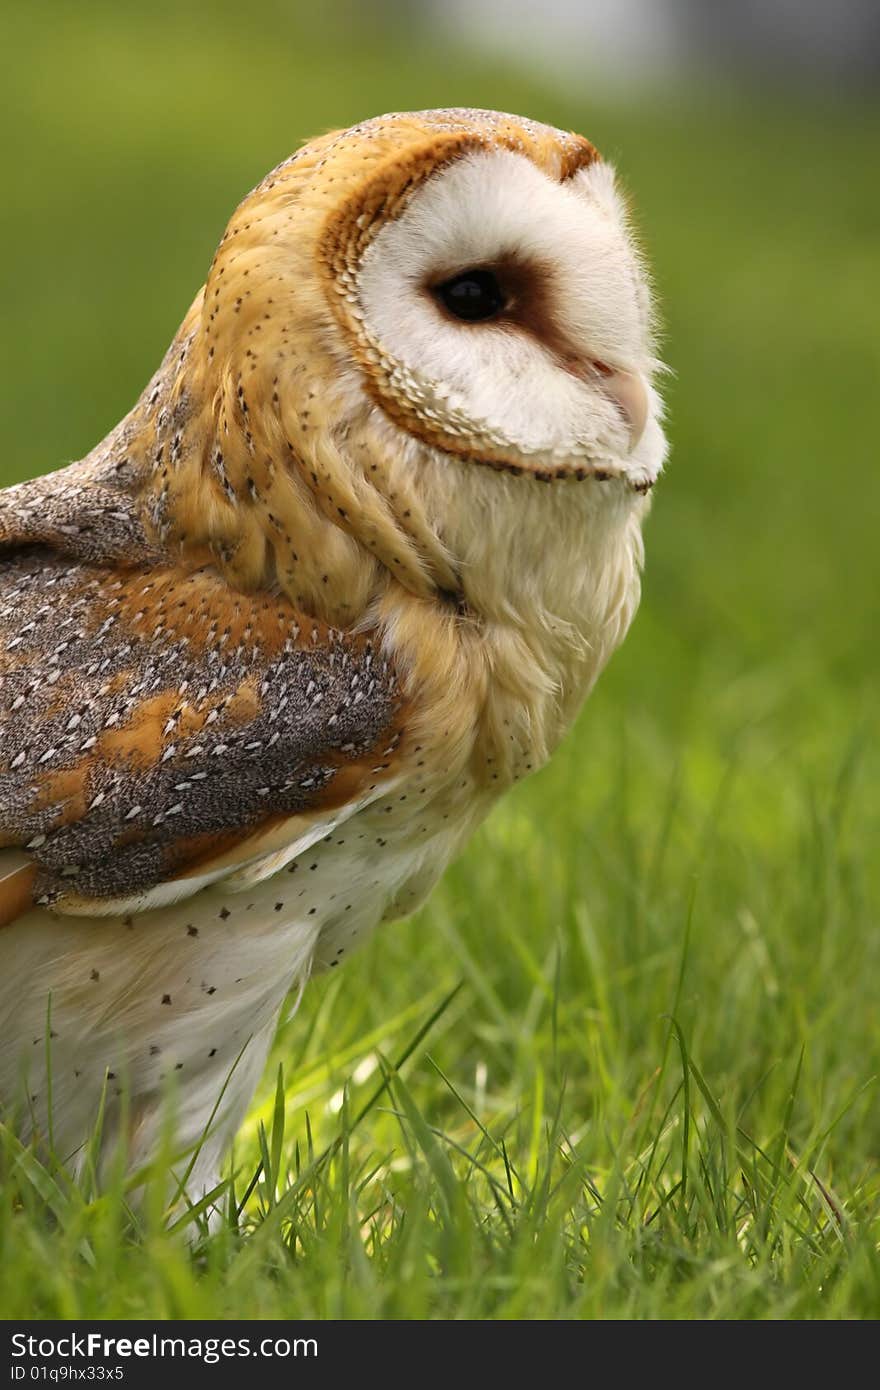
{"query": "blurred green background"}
(727, 764)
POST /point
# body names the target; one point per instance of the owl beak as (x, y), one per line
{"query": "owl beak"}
(626, 389)
(630, 394)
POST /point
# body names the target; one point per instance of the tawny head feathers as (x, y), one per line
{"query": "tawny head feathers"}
(322, 388)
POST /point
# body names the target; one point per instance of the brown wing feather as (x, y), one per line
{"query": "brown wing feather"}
(155, 724)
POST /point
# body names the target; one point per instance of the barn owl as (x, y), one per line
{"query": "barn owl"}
(343, 575)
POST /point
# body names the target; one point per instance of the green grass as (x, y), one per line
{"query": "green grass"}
(654, 1093)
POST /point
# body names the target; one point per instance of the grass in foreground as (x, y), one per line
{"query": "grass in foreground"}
(650, 1096)
(654, 1093)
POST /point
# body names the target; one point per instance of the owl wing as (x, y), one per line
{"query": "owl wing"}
(159, 730)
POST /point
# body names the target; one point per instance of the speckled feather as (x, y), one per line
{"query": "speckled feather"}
(149, 717)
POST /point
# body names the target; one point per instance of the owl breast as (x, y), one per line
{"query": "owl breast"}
(211, 976)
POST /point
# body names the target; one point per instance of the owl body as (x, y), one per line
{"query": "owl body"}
(345, 573)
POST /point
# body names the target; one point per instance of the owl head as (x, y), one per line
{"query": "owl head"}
(411, 330)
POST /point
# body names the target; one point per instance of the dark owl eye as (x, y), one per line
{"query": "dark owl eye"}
(473, 296)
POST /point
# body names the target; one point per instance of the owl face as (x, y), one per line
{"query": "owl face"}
(501, 313)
